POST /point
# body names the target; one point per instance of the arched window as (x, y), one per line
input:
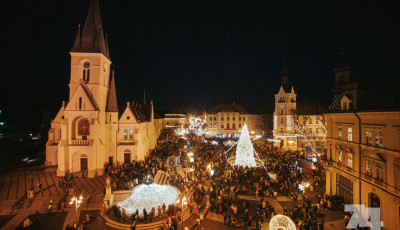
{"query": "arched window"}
(125, 133)
(86, 72)
(131, 133)
(83, 127)
(375, 202)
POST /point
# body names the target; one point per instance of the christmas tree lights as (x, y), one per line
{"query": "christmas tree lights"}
(244, 150)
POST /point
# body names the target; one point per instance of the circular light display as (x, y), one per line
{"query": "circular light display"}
(281, 222)
(149, 196)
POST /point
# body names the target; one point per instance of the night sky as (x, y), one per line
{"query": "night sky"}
(200, 53)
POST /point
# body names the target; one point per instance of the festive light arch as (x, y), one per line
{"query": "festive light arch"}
(281, 222)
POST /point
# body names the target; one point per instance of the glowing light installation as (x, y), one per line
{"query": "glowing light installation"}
(149, 196)
(279, 222)
(244, 150)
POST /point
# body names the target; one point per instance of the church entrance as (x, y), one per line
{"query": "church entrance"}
(84, 164)
(127, 157)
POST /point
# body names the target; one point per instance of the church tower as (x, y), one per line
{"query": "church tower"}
(285, 103)
(89, 122)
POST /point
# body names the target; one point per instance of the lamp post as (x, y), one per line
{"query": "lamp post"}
(183, 203)
(77, 201)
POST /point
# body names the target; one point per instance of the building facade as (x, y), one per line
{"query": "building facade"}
(363, 159)
(174, 121)
(88, 131)
(226, 121)
(296, 126)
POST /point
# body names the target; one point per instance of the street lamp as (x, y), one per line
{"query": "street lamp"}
(77, 201)
(183, 203)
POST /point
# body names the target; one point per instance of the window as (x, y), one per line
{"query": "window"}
(317, 130)
(350, 134)
(227, 126)
(83, 127)
(233, 126)
(125, 133)
(340, 156)
(233, 118)
(350, 160)
(240, 126)
(368, 167)
(86, 72)
(215, 118)
(130, 133)
(368, 138)
(210, 125)
(281, 111)
(222, 118)
(222, 126)
(339, 133)
(210, 118)
(240, 118)
(227, 118)
(80, 103)
(379, 171)
(281, 120)
(378, 138)
(244, 118)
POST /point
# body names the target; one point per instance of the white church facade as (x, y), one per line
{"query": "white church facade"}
(89, 131)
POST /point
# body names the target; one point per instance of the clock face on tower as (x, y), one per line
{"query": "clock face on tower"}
(86, 65)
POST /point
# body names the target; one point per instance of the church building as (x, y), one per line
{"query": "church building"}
(89, 132)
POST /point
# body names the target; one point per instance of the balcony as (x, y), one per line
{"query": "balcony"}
(80, 142)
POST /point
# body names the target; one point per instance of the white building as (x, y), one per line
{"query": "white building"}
(226, 121)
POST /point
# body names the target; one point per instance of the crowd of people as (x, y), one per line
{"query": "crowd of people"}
(225, 192)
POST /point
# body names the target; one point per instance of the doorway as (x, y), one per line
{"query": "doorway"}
(84, 164)
(127, 158)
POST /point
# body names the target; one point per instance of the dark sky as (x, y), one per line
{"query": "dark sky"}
(200, 53)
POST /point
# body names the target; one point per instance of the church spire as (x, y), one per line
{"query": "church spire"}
(285, 77)
(92, 38)
(77, 43)
(112, 96)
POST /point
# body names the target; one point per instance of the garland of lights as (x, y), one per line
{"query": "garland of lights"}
(244, 150)
(196, 126)
(149, 196)
(279, 222)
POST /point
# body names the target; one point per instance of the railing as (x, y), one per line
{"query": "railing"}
(127, 143)
(80, 142)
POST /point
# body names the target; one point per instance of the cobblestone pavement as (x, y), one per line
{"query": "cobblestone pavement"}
(15, 184)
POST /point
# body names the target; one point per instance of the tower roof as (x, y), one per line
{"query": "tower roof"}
(91, 40)
(286, 84)
(112, 105)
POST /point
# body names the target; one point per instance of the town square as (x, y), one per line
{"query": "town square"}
(237, 115)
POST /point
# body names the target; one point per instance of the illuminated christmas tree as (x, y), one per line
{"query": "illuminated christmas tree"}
(244, 150)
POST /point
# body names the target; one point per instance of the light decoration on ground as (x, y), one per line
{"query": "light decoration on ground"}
(244, 150)
(281, 222)
(214, 142)
(149, 196)
(303, 186)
